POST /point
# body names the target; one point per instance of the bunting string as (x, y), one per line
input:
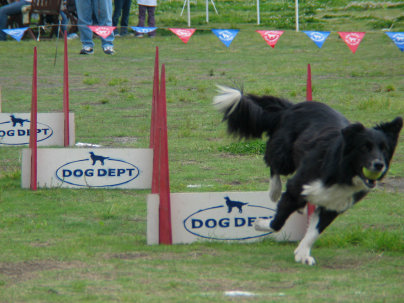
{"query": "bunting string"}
(226, 36)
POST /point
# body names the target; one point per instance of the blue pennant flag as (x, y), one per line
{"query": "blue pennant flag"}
(226, 35)
(317, 37)
(16, 33)
(398, 39)
(143, 30)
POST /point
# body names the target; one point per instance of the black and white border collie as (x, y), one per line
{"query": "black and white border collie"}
(334, 163)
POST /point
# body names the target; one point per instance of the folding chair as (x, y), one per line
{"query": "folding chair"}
(48, 12)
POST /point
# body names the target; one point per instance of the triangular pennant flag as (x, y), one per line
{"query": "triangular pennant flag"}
(352, 39)
(143, 30)
(226, 35)
(183, 33)
(398, 39)
(16, 33)
(317, 37)
(102, 31)
(271, 37)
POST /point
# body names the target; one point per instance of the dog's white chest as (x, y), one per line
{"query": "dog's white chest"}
(336, 197)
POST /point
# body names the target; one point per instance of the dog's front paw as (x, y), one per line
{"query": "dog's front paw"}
(263, 225)
(304, 257)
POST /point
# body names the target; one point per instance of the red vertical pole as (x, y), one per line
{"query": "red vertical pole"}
(165, 234)
(310, 207)
(154, 129)
(155, 97)
(309, 96)
(66, 95)
(33, 124)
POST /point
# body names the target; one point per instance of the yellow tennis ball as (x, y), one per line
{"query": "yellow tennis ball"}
(372, 175)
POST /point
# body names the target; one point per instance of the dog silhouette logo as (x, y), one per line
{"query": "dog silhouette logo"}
(231, 204)
(16, 120)
(96, 158)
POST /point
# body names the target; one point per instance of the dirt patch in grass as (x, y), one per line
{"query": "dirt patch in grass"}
(162, 256)
(22, 271)
(395, 184)
(124, 139)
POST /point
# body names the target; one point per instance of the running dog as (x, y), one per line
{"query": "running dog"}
(334, 163)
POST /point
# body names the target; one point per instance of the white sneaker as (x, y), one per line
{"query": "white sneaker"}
(72, 36)
(87, 50)
(109, 50)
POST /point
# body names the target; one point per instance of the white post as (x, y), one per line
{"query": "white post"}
(189, 14)
(207, 11)
(297, 15)
(258, 12)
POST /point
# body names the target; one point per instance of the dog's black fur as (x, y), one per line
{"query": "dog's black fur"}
(320, 146)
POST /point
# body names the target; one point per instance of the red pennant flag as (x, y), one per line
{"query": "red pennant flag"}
(271, 37)
(102, 31)
(183, 33)
(352, 39)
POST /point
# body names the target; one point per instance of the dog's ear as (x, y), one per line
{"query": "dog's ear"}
(351, 135)
(350, 132)
(391, 130)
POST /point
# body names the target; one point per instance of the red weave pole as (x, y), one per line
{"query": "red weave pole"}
(310, 207)
(165, 234)
(155, 98)
(154, 129)
(33, 124)
(66, 95)
(309, 96)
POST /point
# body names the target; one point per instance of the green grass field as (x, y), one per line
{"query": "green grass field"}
(89, 245)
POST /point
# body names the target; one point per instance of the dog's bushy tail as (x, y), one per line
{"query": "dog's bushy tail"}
(249, 116)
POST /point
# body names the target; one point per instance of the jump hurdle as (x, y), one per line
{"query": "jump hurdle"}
(80, 167)
(52, 129)
(176, 218)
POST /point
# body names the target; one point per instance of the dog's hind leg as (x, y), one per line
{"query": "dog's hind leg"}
(319, 220)
(275, 187)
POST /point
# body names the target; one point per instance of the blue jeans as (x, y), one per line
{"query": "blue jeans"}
(94, 12)
(124, 7)
(7, 10)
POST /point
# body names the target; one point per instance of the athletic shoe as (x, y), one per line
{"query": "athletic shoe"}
(109, 50)
(86, 50)
(72, 36)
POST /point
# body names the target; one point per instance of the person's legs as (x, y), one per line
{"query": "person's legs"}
(104, 17)
(64, 22)
(150, 19)
(125, 16)
(141, 19)
(117, 14)
(142, 15)
(85, 18)
(7, 10)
